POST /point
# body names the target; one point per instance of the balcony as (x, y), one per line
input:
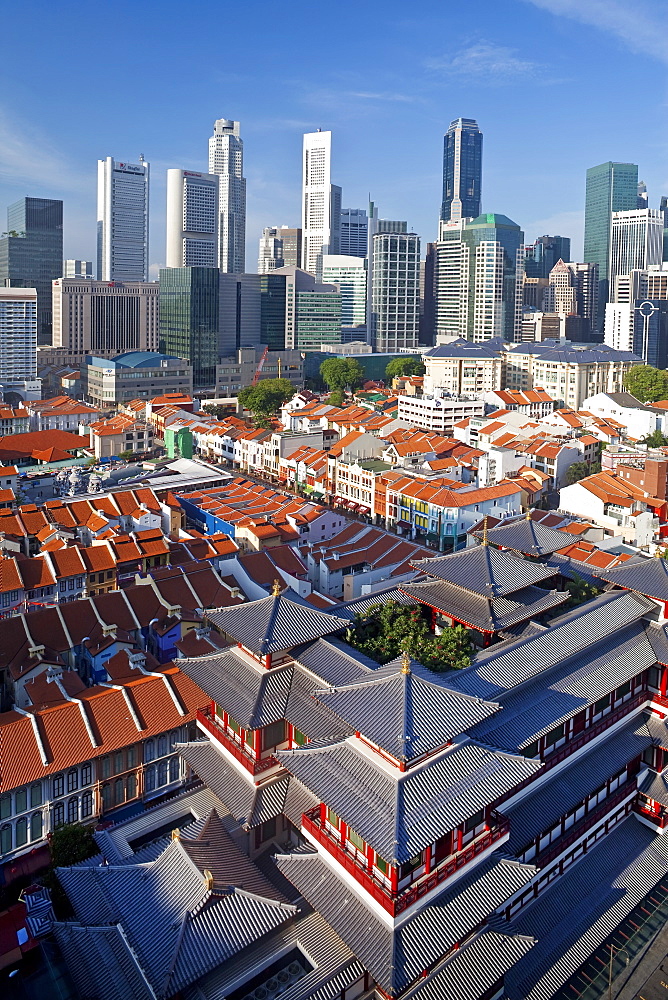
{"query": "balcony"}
(396, 904)
(205, 718)
(588, 821)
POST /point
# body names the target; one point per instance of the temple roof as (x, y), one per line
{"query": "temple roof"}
(399, 813)
(527, 536)
(395, 958)
(406, 713)
(275, 623)
(644, 575)
(488, 614)
(484, 570)
(655, 786)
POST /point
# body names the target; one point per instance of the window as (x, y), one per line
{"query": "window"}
(531, 750)
(22, 832)
(5, 806)
(149, 779)
(5, 838)
(602, 704)
(21, 800)
(106, 767)
(381, 864)
(58, 785)
(106, 797)
(409, 866)
(174, 769)
(273, 735)
(131, 786)
(36, 794)
(163, 745)
(86, 774)
(132, 757)
(118, 763)
(163, 769)
(119, 792)
(473, 821)
(58, 814)
(73, 810)
(86, 805)
(555, 735)
(299, 738)
(356, 840)
(149, 750)
(72, 780)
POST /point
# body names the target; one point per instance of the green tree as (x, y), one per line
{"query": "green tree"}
(655, 440)
(342, 373)
(646, 383)
(336, 398)
(576, 472)
(579, 592)
(265, 398)
(403, 366)
(126, 455)
(384, 631)
(219, 411)
(68, 844)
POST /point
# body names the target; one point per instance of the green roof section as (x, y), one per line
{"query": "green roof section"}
(493, 219)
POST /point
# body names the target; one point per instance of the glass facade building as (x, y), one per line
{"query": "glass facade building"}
(542, 255)
(650, 331)
(462, 171)
(272, 311)
(495, 261)
(31, 254)
(190, 318)
(611, 187)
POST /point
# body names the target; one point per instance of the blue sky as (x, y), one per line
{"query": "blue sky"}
(556, 86)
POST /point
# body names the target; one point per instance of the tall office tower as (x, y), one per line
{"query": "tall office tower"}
(18, 334)
(105, 318)
(462, 171)
(572, 290)
(291, 238)
(77, 269)
(650, 331)
(270, 255)
(189, 300)
(354, 236)
(642, 201)
(560, 296)
(479, 274)
(192, 219)
(636, 243)
(427, 300)
(321, 203)
(226, 158)
(611, 187)
(312, 309)
(663, 208)
(122, 220)
(349, 273)
(31, 253)
(541, 256)
(395, 292)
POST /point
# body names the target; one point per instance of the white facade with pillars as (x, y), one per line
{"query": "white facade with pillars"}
(321, 202)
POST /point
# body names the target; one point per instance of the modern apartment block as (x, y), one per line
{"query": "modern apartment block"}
(18, 335)
(636, 243)
(193, 219)
(190, 318)
(122, 220)
(349, 273)
(31, 253)
(462, 170)
(321, 203)
(78, 269)
(226, 159)
(611, 187)
(354, 237)
(92, 316)
(394, 319)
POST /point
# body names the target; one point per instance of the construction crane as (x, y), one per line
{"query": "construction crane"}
(258, 371)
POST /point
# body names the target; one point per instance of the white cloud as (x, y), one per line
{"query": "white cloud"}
(485, 61)
(642, 26)
(26, 155)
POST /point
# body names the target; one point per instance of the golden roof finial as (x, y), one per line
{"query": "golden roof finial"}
(405, 663)
(176, 834)
(276, 589)
(208, 879)
(658, 552)
(485, 540)
(528, 514)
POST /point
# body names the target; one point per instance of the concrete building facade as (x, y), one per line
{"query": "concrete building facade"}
(321, 203)
(226, 158)
(122, 220)
(92, 316)
(193, 219)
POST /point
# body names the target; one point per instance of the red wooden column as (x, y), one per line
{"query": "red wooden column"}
(427, 860)
(323, 814)
(664, 682)
(369, 856)
(394, 879)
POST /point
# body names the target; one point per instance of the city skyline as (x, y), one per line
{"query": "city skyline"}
(526, 57)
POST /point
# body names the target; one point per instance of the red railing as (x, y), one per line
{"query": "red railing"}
(591, 819)
(381, 893)
(218, 733)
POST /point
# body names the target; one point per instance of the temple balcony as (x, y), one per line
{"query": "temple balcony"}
(207, 719)
(395, 899)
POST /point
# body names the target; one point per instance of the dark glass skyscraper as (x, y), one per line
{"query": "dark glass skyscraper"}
(544, 254)
(462, 171)
(31, 254)
(611, 187)
(190, 318)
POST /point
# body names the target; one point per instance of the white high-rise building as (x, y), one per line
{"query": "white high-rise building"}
(321, 203)
(77, 269)
(354, 235)
(560, 295)
(192, 219)
(636, 242)
(226, 158)
(395, 292)
(270, 254)
(619, 326)
(122, 220)
(349, 273)
(18, 334)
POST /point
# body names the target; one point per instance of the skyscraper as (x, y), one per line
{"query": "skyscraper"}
(105, 318)
(18, 334)
(270, 255)
(122, 220)
(611, 187)
(226, 158)
(190, 318)
(636, 243)
(321, 203)
(354, 236)
(542, 255)
(395, 291)
(291, 238)
(349, 273)
(462, 170)
(31, 254)
(193, 219)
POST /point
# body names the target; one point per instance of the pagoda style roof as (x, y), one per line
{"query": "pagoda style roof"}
(335, 661)
(527, 536)
(276, 622)
(644, 575)
(399, 813)
(484, 570)
(150, 930)
(487, 614)
(655, 786)
(396, 957)
(405, 710)
(252, 696)
(498, 669)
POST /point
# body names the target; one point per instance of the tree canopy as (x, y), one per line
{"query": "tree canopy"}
(655, 440)
(265, 398)
(68, 844)
(646, 383)
(341, 373)
(403, 366)
(384, 631)
(336, 397)
(576, 472)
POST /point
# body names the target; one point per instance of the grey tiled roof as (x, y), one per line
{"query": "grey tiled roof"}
(253, 697)
(655, 786)
(543, 702)
(360, 604)
(658, 641)
(399, 815)
(273, 623)
(407, 714)
(574, 915)
(310, 716)
(474, 969)
(492, 673)
(491, 614)
(657, 730)
(644, 575)
(333, 660)
(397, 958)
(485, 570)
(562, 791)
(527, 536)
